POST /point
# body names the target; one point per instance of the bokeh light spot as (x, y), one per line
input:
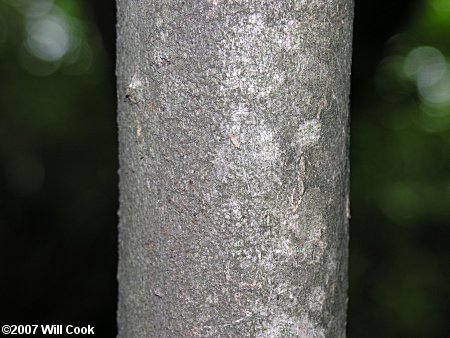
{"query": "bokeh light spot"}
(426, 65)
(428, 68)
(48, 38)
(38, 8)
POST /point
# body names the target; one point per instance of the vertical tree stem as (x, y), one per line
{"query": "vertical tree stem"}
(233, 133)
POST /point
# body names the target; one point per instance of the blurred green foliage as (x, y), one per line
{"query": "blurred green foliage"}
(58, 166)
(400, 160)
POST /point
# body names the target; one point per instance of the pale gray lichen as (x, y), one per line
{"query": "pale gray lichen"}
(308, 134)
(284, 326)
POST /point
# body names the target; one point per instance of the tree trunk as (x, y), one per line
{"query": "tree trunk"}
(233, 136)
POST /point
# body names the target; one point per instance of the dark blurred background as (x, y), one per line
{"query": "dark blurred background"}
(58, 165)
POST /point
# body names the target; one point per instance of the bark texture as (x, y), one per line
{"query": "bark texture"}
(233, 132)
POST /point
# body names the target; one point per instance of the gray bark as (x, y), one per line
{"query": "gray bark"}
(233, 138)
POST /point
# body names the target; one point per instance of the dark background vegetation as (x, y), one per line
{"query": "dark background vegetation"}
(58, 164)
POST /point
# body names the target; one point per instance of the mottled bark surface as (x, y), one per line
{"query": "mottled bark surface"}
(233, 132)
